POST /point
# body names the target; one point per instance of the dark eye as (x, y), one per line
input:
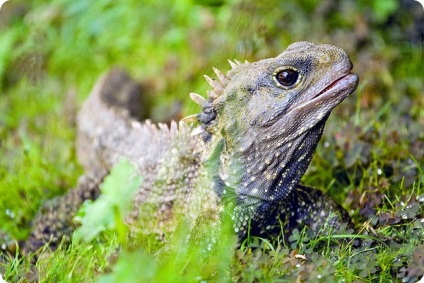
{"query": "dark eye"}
(287, 77)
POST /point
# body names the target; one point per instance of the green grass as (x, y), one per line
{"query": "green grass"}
(370, 158)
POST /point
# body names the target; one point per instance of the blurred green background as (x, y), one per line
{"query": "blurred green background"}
(51, 53)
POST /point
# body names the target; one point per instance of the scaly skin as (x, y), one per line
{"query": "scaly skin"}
(258, 130)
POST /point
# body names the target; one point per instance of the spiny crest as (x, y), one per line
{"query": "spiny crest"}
(198, 99)
(206, 103)
(218, 86)
(220, 76)
(234, 64)
(208, 114)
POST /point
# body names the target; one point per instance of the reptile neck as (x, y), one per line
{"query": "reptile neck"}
(268, 168)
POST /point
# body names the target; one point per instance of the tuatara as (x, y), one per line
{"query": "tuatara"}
(252, 142)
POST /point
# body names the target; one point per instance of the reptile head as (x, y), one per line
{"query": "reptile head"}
(269, 116)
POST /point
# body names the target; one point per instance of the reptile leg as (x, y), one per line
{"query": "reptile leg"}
(304, 206)
(317, 210)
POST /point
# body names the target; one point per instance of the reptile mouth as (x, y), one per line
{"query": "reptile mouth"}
(332, 94)
(346, 82)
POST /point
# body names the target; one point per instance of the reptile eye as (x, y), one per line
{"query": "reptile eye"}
(287, 77)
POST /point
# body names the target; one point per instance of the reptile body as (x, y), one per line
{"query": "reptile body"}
(253, 141)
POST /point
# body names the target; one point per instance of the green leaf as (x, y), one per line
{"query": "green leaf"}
(115, 202)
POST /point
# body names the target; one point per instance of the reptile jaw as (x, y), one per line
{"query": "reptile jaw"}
(331, 95)
(338, 83)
